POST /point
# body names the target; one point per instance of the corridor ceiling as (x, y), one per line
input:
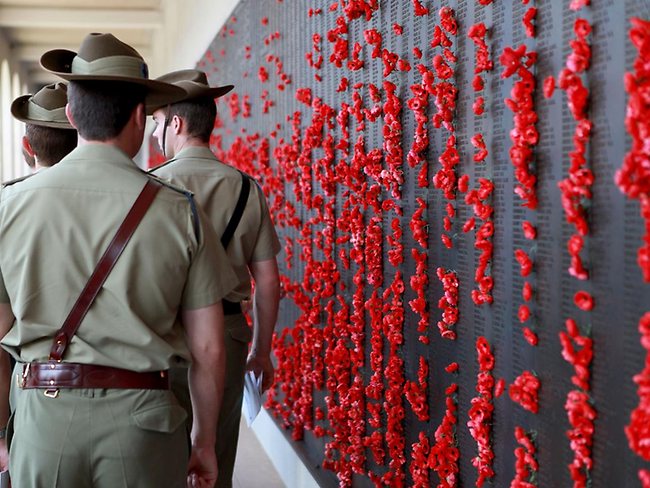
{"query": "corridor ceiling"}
(31, 27)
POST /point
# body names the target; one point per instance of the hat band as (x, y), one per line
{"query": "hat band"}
(36, 112)
(122, 66)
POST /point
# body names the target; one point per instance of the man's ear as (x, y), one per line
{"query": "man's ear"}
(28, 147)
(140, 116)
(68, 114)
(177, 124)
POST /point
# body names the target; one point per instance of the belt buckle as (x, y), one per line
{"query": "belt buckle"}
(51, 392)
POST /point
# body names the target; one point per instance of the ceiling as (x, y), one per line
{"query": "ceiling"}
(32, 27)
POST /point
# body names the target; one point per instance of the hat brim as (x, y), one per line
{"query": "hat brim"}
(19, 109)
(59, 62)
(215, 92)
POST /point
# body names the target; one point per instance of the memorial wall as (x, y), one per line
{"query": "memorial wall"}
(457, 186)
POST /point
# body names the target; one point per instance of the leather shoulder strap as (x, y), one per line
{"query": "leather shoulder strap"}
(238, 212)
(103, 268)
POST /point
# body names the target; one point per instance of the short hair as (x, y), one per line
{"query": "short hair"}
(199, 115)
(50, 144)
(101, 109)
(29, 159)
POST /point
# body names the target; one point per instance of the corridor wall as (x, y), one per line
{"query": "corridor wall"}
(462, 274)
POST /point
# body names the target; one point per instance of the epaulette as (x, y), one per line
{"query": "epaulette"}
(190, 198)
(17, 180)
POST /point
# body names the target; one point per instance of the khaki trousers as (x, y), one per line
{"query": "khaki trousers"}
(98, 438)
(237, 336)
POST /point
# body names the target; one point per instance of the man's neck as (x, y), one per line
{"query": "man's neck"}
(116, 143)
(191, 143)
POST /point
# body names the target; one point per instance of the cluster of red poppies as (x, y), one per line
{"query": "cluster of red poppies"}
(525, 391)
(634, 176)
(448, 303)
(634, 180)
(392, 136)
(526, 466)
(445, 94)
(419, 106)
(576, 193)
(524, 134)
(444, 454)
(355, 9)
(419, 467)
(576, 188)
(480, 413)
(325, 350)
(338, 38)
(580, 411)
(393, 324)
(420, 279)
(638, 430)
(315, 57)
(416, 392)
(480, 199)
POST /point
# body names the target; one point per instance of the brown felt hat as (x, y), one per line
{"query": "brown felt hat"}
(195, 84)
(103, 57)
(45, 108)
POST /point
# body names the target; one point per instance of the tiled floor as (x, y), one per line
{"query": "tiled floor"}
(253, 468)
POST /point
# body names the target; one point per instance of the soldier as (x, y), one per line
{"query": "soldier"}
(95, 408)
(48, 133)
(48, 136)
(183, 131)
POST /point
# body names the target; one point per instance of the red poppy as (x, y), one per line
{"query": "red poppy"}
(530, 336)
(419, 9)
(529, 16)
(524, 313)
(584, 301)
(578, 4)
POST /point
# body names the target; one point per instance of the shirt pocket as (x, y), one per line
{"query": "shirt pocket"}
(243, 334)
(162, 418)
(237, 339)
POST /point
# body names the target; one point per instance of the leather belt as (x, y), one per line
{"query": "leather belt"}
(231, 308)
(54, 375)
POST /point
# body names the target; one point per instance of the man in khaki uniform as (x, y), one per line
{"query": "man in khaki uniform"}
(183, 131)
(48, 133)
(48, 137)
(54, 227)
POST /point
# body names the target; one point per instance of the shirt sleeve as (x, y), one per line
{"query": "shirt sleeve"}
(211, 276)
(267, 245)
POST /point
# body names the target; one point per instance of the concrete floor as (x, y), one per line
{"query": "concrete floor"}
(253, 468)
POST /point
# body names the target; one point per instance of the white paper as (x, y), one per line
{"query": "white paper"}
(252, 396)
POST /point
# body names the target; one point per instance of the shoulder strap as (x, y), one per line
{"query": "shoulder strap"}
(103, 268)
(239, 211)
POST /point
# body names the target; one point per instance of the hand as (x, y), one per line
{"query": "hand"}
(261, 365)
(202, 469)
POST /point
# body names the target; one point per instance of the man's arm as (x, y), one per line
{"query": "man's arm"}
(265, 313)
(205, 337)
(6, 322)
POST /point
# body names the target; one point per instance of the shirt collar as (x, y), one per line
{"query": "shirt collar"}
(99, 153)
(195, 152)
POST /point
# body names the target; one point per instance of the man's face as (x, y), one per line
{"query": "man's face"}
(159, 131)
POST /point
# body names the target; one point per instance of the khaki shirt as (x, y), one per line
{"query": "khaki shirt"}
(216, 187)
(54, 227)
